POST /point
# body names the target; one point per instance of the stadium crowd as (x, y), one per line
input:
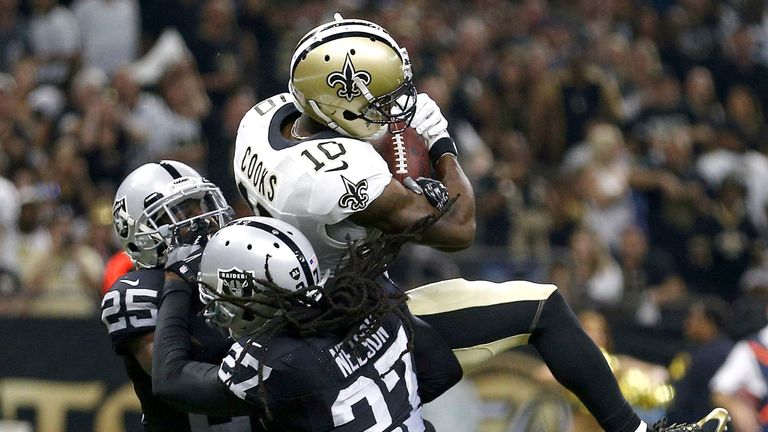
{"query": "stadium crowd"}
(618, 148)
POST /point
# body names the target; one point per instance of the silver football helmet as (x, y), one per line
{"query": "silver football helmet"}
(238, 256)
(352, 76)
(164, 203)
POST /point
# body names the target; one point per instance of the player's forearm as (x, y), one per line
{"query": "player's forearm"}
(461, 217)
(185, 384)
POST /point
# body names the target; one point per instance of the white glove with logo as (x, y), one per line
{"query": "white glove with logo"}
(428, 120)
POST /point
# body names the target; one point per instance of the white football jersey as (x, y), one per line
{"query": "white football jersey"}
(314, 184)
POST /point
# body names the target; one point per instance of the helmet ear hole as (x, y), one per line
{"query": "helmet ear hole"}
(132, 247)
(349, 115)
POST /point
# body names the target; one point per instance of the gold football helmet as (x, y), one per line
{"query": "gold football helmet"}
(351, 76)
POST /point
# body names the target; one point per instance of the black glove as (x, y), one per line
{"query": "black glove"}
(433, 190)
(196, 233)
(185, 262)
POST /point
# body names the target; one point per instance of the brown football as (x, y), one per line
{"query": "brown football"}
(406, 154)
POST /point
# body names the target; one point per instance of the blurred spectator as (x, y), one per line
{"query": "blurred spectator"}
(164, 126)
(566, 103)
(731, 157)
(261, 56)
(647, 270)
(701, 99)
(663, 111)
(671, 194)
(38, 200)
(9, 226)
(55, 41)
(755, 278)
(641, 65)
(596, 279)
(565, 210)
(234, 109)
(692, 369)
(69, 171)
(727, 235)
(186, 105)
(215, 47)
(158, 16)
(695, 27)
(110, 32)
(739, 66)
(605, 176)
(65, 279)
(101, 232)
(504, 195)
(14, 35)
(746, 115)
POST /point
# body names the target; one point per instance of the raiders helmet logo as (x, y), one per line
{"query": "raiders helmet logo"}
(356, 197)
(295, 273)
(120, 217)
(347, 78)
(236, 282)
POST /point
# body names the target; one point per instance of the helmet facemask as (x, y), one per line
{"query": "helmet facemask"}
(395, 109)
(186, 216)
(231, 319)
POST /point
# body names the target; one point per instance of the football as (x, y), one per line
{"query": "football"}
(405, 153)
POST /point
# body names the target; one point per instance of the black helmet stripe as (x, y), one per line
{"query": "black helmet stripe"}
(339, 36)
(171, 169)
(288, 242)
(335, 24)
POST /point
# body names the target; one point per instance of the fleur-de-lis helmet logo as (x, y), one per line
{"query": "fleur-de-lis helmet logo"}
(347, 78)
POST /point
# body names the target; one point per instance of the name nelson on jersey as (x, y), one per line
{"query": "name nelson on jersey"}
(262, 179)
(350, 361)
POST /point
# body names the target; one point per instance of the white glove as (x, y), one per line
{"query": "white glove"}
(428, 120)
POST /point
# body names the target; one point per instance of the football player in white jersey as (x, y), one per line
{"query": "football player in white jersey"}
(305, 157)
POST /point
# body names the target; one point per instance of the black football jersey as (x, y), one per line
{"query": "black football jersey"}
(128, 310)
(320, 384)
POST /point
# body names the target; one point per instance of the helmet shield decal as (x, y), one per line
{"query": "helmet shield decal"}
(237, 282)
(121, 218)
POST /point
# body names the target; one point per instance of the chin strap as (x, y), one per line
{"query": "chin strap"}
(327, 120)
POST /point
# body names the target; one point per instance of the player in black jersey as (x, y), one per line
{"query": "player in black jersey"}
(154, 200)
(334, 356)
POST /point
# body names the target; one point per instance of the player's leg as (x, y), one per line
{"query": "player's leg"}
(480, 319)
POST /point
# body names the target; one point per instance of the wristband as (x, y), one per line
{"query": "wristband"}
(188, 267)
(440, 147)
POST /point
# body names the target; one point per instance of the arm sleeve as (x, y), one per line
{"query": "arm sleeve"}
(185, 384)
(437, 369)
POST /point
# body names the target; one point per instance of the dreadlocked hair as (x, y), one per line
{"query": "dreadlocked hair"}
(351, 304)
